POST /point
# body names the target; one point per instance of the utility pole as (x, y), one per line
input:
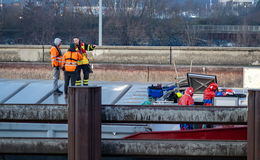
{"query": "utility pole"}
(100, 24)
(2, 13)
(1, 5)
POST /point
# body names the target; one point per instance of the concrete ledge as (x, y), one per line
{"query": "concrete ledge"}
(32, 113)
(33, 146)
(129, 147)
(175, 114)
(127, 114)
(142, 55)
(174, 148)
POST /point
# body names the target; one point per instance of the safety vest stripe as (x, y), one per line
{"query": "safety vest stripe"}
(70, 65)
(91, 47)
(71, 62)
(78, 83)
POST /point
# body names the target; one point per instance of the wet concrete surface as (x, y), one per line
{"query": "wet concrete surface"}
(41, 92)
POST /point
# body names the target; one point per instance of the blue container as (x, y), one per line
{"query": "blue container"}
(155, 92)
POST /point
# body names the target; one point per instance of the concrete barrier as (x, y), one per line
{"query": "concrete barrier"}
(142, 55)
(137, 148)
(26, 53)
(132, 55)
(129, 114)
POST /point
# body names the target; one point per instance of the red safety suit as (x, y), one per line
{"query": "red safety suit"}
(209, 94)
(187, 99)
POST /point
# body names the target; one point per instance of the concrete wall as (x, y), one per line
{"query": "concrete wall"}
(142, 55)
(251, 77)
(26, 53)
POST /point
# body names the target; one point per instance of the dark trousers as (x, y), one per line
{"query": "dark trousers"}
(86, 70)
(69, 77)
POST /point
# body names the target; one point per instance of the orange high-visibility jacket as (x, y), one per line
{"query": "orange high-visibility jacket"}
(56, 57)
(69, 60)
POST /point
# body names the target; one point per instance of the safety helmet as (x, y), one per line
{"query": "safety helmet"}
(229, 91)
(213, 86)
(189, 91)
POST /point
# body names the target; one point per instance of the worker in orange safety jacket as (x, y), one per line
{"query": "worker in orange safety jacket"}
(84, 63)
(69, 64)
(56, 58)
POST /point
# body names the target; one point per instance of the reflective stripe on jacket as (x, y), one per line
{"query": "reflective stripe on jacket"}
(70, 60)
(56, 57)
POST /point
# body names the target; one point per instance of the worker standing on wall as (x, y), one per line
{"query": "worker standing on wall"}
(56, 57)
(69, 65)
(83, 64)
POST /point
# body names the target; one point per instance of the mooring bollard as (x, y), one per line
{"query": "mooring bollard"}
(84, 120)
(253, 131)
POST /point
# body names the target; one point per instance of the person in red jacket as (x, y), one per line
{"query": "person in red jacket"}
(209, 94)
(187, 100)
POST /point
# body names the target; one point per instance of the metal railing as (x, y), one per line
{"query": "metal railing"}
(225, 28)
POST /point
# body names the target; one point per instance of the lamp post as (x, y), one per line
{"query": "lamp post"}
(1, 11)
(100, 24)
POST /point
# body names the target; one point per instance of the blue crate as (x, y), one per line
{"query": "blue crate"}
(155, 92)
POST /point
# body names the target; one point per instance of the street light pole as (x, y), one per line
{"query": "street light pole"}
(100, 24)
(1, 11)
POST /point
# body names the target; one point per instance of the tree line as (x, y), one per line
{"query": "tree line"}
(125, 22)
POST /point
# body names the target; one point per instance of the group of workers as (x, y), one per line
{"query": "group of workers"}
(210, 92)
(71, 62)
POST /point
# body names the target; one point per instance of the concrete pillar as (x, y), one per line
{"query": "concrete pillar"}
(253, 132)
(84, 123)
